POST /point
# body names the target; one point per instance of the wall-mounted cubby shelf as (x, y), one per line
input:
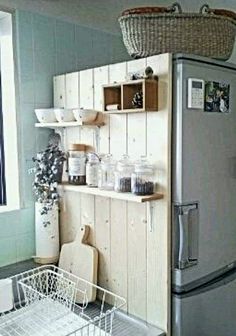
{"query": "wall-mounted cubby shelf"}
(121, 94)
(111, 194)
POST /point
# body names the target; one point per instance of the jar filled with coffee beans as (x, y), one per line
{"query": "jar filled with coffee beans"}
(77, 164)
(124, 170)
(142, 179)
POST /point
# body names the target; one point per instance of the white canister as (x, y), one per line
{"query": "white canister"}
(6, 295)
(46, 233)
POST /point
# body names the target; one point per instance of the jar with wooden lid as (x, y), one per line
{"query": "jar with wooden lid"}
(77, 164)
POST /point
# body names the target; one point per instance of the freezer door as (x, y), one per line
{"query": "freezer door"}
(209, 311)
(204, 171)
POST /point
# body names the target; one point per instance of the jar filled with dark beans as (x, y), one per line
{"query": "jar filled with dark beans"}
(142, 178)
(124, 170)
(76, 164)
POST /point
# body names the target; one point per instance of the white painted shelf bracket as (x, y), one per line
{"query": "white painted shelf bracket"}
(96, 135)
(62, 134)
(150, 215)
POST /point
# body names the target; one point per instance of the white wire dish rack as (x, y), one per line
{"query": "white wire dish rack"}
(51, 301)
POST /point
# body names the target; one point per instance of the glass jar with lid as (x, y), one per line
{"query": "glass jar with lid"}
(143, 178)
(76, 164)
(107, 173)
(124, 170)
(92, 168)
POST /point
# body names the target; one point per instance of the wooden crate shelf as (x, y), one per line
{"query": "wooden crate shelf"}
(123, 93)
(111, 194)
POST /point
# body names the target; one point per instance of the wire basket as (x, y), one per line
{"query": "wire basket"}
(154, 30)
(44, 304)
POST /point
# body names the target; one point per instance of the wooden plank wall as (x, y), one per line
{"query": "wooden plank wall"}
(134, 260)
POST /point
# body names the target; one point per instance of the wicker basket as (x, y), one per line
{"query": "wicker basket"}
(155, 30)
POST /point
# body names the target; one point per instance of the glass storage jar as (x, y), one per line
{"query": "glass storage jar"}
(92, 167)
(123, 172)
(143, 178)
(76, 164)
(107, 173)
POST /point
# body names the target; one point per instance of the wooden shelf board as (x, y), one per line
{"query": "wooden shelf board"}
(130, 82)
(135, 110)
(69, 124)
(111, 194)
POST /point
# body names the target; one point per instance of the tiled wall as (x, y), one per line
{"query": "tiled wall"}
(45, 46)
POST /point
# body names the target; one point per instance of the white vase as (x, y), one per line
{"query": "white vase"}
(46, 234)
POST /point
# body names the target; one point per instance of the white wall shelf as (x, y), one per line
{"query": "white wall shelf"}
(110, 194)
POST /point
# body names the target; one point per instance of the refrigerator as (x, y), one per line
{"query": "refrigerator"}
(203, 197)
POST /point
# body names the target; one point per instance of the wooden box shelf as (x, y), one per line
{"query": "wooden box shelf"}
(122, 94)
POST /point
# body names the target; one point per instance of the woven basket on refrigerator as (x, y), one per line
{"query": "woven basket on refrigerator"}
(155, 30)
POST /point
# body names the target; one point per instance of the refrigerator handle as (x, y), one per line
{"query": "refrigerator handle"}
(186, 244)
(183, 240)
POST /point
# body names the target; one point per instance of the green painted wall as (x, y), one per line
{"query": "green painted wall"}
(44, 47)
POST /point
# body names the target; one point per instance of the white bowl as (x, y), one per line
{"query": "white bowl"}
(64, 115)
(85, 115)
(45, 115)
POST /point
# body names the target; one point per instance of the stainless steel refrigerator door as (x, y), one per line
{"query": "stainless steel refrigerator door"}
(210, 311)
(204, 171)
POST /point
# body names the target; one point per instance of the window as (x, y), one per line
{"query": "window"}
(8, 137)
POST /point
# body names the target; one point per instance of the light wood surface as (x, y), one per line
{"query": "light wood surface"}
(81, 260)
(134, 260)
(122, 94)
(111, 194)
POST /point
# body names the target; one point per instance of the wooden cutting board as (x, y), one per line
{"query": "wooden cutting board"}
(81, 260)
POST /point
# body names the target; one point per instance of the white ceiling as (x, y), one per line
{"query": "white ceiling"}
(101, 14)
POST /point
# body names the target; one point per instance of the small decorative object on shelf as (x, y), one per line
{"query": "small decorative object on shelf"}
(76, 164)
(142, 178)
(92, 169)
(144, 73)
(107, 173)
(123, 172)
(137, 101)
(112, 107)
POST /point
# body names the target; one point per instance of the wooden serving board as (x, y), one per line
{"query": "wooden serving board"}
(81, 260)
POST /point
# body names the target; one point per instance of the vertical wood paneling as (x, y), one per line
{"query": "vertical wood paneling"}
(59, 91)
(87, 209)
(69, 216)
(137, 128)
(86, 89)
(158, 241)
(101, 77)
(137, 260)
(133, 262)
(118, 123)
(118, 147)
(72, 90)
(102, 208)
(137, 242)
(119, 252)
